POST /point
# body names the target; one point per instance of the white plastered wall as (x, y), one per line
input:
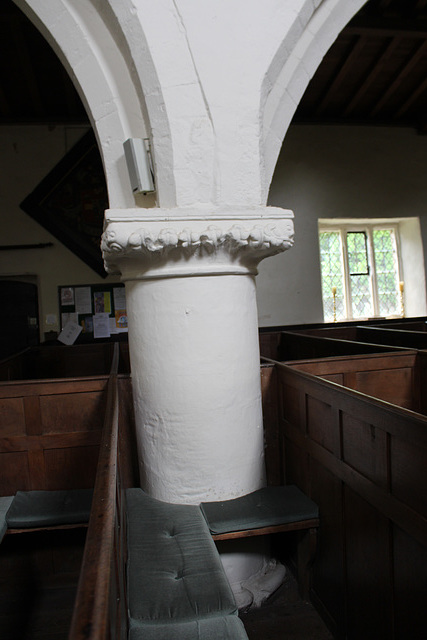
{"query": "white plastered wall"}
(52, 266)
(343, 172)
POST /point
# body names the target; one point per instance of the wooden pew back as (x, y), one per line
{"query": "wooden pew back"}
(393, 377)
(100, 612)
(50, 433)
(363, 462)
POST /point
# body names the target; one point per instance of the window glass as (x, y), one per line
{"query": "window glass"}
(360, 273)
(386, 267)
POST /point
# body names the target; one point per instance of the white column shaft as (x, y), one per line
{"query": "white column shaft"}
(195, 369)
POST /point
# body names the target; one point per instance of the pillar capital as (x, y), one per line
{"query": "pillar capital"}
(162, 243)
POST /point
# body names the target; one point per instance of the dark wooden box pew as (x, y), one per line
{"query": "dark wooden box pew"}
(49, 445)
(298, 345)
(394, 376)
(409, 339)
(363, 461)
(61, 361)
(114, 594)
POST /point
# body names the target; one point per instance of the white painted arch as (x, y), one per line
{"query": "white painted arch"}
(101, 68)
(292, 67)
(143, 70)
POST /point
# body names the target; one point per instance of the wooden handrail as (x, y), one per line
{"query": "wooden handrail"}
(90, 619)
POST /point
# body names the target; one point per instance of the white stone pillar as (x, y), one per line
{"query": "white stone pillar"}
(193, 339)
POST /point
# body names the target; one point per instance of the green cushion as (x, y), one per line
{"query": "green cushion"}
(49, 508)
(5, 503)
(174, 570)
(215, 628)
(263, 508)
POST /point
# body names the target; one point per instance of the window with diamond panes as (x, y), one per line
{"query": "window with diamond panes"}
(362, 267)
(332, 268)
(359, 275)
(387, 271)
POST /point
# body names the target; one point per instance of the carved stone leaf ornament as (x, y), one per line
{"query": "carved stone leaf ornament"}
(244, 242)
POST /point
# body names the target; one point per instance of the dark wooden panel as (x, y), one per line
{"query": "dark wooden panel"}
(328, 569)
(365, 449)
(395, 385)
(393, 337)
(368, 570)
(272, 444)
(292, 404)
(409, 473)
(296, 466)
(379, 464)
(390, 377)
(12, 417)
(410, 579)
(71, 467)
(72, 412)
(323, 424)
(338, 378)
(14, 474)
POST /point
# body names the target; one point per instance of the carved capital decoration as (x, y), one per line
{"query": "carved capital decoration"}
(174, 244)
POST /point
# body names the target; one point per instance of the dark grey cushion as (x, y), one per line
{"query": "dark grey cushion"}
(174, 570)
(266, 507)
(215, 628)
(49, 508)
(5, 502)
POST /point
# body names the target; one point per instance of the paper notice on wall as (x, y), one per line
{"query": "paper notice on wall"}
(119, 296)
(121, 320)
(113, 328)
(69, 317)
(67, 296)
(101, 325)
(83, 300)
(102, 302)
(70, 333)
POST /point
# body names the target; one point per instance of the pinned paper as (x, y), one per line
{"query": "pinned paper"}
(70, 333)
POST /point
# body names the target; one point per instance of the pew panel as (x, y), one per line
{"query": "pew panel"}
(51, 432)
(393, 377)
(361, 460)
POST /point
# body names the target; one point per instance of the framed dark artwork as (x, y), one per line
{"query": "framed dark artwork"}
(70, 202)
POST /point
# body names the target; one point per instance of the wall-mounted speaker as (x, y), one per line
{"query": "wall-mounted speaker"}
(139, 166)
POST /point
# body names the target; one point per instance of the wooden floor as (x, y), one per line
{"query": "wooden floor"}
(38, 580)
(285, 616)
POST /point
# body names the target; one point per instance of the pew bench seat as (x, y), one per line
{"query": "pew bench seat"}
(266, 511)
(177, 588)
(33, 510)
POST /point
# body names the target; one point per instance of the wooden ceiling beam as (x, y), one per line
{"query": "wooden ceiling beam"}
(341, 75)
(383, 31)
(374, 73)
(411, 99)
(404, 72)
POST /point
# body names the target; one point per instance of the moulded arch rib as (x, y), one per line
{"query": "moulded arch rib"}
(295, 62)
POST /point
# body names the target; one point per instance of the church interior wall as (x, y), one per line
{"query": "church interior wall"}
(337, 172)
(27, 155)
(322, 172)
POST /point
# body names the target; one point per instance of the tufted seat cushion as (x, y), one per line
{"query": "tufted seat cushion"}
(215, 628)
(49, 508)
(174, 570)
(262, 508)
(5, 503)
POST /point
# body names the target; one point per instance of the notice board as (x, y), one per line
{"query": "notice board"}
(99, 310)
